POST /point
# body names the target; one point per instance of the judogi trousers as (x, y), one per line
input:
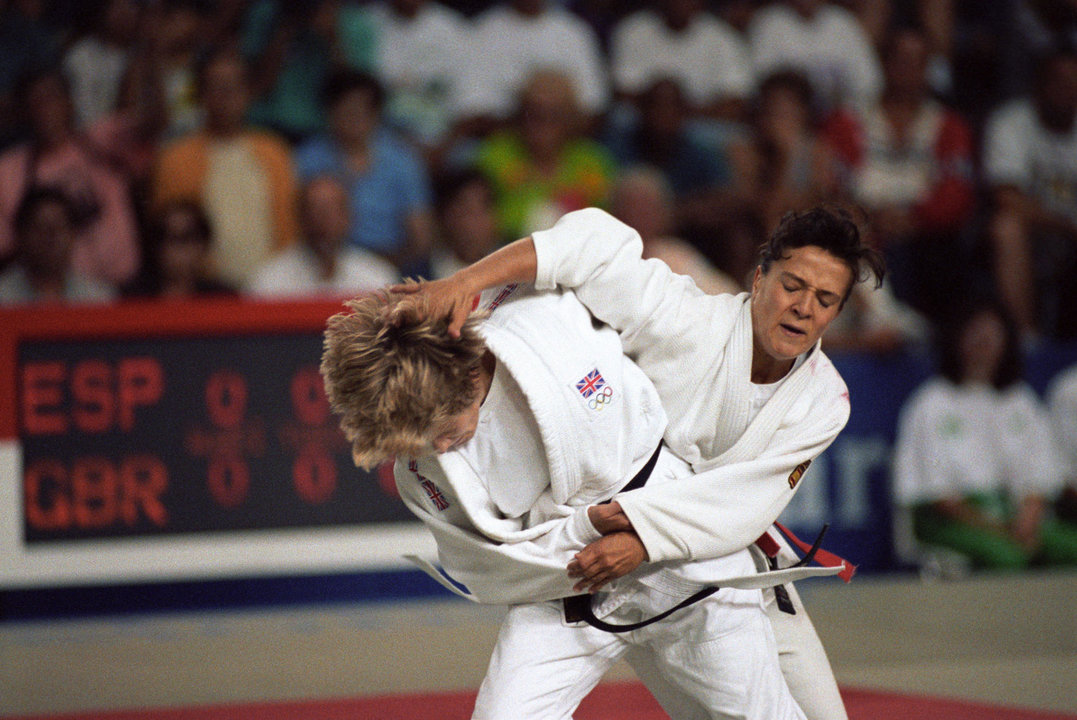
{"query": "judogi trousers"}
(714, 660)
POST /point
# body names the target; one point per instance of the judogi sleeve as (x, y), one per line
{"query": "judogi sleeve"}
(494, 571)
(723, 509)
(600, 259)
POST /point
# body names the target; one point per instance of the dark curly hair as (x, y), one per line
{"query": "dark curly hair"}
(832, 229)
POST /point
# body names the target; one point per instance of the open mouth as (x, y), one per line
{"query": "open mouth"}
(792, 330)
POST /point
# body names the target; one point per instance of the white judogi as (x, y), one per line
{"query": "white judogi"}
(697, 349)
(548, 345)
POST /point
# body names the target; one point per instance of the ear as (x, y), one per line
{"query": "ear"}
(756, 278)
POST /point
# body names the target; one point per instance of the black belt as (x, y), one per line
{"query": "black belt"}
(640, 479)
(578, 607)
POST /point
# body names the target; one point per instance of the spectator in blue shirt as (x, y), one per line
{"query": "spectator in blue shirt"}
(386, 178)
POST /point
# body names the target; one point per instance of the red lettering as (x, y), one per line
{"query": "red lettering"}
(44, 491)
(314, 476)
(91, 388)
(141, 381)
(308, 396)
(95, 494)
(42, 396)
(229, 480)
(94, 491)
(143, 479)
(226, 398)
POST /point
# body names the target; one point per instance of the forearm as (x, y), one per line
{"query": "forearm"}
(516, 262)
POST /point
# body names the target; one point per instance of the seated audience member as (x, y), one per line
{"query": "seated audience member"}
(42, 270)
(874, 321)
(175, 35)
(783, 165)
(293, 47)
(822, 39)
(975, 462)
(510, 41)
(322, 264)
(544, 165)
(467, 223)
(96, 63)
(421, 45)
(660, 134)
(106, 239)
(27, 44)
(385, 177)
(1062, 403)
(907, 160)
(643, 200)
(1030, 163)
(178, 264)
(682, 40)
(242, 176)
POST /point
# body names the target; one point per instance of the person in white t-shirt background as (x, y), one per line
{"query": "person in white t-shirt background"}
(1030, 163)
(975, 462)
(324, 263)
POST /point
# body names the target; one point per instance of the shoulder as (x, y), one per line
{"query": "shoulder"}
(772, 19)
(183, 146)
(368, 268)
(715, 28)
(640, 21)
(269, 143)
(392, 145)
(930, 396)
(492, 19)
(1063, 387)
(827, 381)
(1020, 394)
(1014, 115)
(560, 18)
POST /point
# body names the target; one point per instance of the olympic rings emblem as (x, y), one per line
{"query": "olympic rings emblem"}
(600, 398)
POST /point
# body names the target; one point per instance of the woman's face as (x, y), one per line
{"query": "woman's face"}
(982, 344)
(183, 248)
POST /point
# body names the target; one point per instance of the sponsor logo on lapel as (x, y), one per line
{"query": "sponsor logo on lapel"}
(798, 472)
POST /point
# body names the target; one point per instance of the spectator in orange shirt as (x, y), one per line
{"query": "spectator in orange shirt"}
(243, 177)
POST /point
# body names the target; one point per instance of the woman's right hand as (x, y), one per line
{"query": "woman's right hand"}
(450, 298)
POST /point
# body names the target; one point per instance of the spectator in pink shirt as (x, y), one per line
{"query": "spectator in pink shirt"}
(106, 241)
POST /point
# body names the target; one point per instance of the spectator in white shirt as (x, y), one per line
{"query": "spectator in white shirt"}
(822, 40)
(420, 58)
(680, 39)
(1030, 160)
(324, 264)
(510, 42)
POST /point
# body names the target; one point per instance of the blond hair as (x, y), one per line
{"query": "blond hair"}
(394, 376)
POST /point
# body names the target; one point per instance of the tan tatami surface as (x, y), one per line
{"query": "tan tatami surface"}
(1009, 640)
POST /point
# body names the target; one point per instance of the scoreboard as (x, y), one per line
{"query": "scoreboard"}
(181, 440)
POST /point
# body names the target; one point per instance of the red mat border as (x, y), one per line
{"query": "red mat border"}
(631, 700)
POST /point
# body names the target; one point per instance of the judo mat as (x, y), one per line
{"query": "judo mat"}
(617, 701)
(992, 647)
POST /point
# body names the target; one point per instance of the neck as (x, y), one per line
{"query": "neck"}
(767, 369)
(486, 374)
(224, 131)
(47, 285)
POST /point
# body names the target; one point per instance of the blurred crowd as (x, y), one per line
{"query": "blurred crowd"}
(181, 148)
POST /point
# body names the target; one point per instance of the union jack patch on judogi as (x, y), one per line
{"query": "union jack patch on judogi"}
(591, 383)
(434, 493)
